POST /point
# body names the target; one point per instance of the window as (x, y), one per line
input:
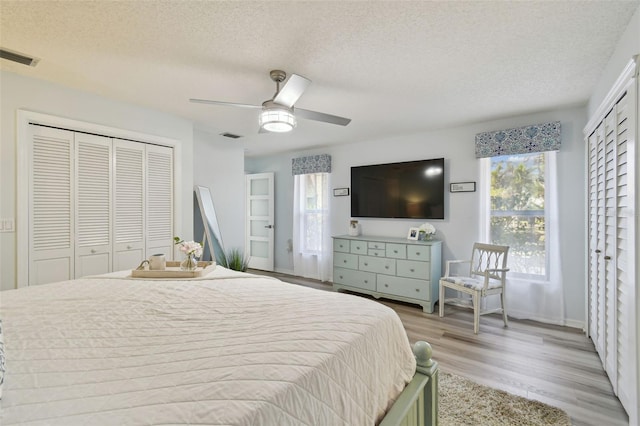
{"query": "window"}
(517, 211)
(314, 208)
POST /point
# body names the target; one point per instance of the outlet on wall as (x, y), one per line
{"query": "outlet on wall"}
(7, 225)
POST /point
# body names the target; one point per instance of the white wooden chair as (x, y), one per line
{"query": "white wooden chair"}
(487, 275)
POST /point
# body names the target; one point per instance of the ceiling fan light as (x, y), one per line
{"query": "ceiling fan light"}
(278, 120)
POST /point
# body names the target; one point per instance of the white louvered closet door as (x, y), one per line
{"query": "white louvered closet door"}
(159, 228)
(92, 205)
(129, 205)
(51, 224)
(612, 240)
(623, 246)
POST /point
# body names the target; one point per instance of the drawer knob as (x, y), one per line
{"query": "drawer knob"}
(375, 254)
(386, 285)
(341, 277)
(366, 281)
(417, 253)
(395, 251)
(412, 270)
(386, 267)
(344, 261)
(93, 251)
(418, 290)
(366, 264)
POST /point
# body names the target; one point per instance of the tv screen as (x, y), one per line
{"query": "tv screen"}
(408, 190)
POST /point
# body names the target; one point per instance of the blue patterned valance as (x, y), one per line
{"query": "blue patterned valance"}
(311, 164)
(521, 140)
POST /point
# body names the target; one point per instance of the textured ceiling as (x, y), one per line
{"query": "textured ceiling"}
(397, 67)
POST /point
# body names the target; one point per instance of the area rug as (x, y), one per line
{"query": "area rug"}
(463, 402)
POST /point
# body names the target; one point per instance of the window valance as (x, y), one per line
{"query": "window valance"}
(520, 140)
(311, 164)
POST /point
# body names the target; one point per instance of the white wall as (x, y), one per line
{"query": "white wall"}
(20, 92)
(219, 165)
(461, 227)
(627, 47)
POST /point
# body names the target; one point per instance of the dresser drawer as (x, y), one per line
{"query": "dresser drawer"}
(413, 269)
(380, 265)
(397, 251)
(418, 253)
(358, 247)
(407, 287)
(376, 252)
(341, 245)
(375, 245)
(359, 279)
(345, 260)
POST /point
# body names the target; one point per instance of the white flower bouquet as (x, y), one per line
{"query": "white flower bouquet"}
(426, 229)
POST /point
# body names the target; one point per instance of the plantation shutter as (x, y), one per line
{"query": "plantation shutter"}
(159, 200)
(50, 205)
(93, 205)
(129, 196)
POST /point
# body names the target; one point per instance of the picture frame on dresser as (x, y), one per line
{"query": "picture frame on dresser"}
(413, 234)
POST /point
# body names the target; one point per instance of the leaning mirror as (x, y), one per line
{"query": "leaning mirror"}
(212, 233)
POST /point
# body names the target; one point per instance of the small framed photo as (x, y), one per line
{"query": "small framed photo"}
(340, 192)
(462, 187)
(413, 234)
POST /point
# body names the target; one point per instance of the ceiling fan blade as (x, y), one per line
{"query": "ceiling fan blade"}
(292, 90)
(321, 116)
(206, 101)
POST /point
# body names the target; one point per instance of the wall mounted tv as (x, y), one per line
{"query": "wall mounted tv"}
(408, 190)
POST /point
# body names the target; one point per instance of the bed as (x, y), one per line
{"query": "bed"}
(228, 348)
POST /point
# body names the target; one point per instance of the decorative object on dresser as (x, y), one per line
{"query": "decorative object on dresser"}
(354, 228)
(392, 268)
(487, 275)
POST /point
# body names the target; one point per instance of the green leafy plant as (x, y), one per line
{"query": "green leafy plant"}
(236, 260)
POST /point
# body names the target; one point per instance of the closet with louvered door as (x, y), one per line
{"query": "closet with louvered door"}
(92, 205)
(51, 239)
(129, 204)
(96, 204)
(159, 185)
(613, 198)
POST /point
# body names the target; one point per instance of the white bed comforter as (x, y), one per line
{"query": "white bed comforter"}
(230, 349)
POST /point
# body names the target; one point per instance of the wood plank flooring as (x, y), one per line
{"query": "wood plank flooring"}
(552, 364)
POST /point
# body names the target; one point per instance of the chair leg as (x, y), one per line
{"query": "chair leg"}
(503, 299)
(441, 301)
(476, 313)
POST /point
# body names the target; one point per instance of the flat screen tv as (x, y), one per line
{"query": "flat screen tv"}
(408, 190)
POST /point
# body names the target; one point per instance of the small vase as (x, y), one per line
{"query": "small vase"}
(189, 264)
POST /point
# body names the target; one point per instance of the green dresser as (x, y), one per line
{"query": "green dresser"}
(393, 268)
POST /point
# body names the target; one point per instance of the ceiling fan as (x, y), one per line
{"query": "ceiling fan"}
(278, 113)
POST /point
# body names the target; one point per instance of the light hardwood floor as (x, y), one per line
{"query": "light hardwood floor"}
(552, 364)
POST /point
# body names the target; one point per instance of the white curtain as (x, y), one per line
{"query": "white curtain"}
(540, 300)
(315, 263)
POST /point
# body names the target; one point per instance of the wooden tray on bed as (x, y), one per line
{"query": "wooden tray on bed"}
(173, 271)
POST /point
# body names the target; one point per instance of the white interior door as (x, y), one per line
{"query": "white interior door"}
(129, 205)
(51, 222)
(92, 205)
(260, 220)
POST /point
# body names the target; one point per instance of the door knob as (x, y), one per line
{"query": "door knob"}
(271, 226)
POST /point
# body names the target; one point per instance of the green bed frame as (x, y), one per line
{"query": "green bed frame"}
(417, 405)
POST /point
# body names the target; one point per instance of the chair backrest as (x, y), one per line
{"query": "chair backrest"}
(488, 256)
